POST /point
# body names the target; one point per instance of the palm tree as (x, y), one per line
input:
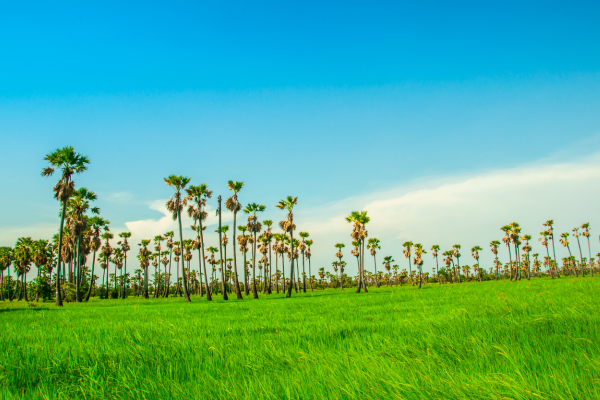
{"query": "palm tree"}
(234, 206)
(144, 257)
(179, 182)
(435, 249)
(564, 240)
(96, 223)
(359, 233)
(288, 226)
(6, 259)
(373, 245)
(125, 248)
(407, 254)
(107, 251)
(169, 235)
(243, 242)
(70, 163)
(577, 234)
(527, 250)
(419, 251)
(254, 226)
(157, 247)
(23, 255)
(586, 233)
(456, 254)
(475, 253)
(200, 194)
(302, 248)
(339, 255)
(308, 244)
(550, 231)
(220, 231)
(494, 248)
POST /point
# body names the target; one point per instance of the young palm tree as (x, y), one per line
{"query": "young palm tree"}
(233, 205)
(254, 226)
(586, 233)
(288, 226)
(178, 182)
(70, 163)
(373, 245)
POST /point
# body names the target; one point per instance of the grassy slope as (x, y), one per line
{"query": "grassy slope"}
(537, 339)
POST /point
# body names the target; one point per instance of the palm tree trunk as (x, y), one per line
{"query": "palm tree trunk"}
(223, 288)
(87, 297)
(185, 289)
(375, 265)
(590, 259)
(236, 282)
(78, 269)
(59, 302)
(289, 289)
(303, 274)
(554, 255)
(146, 282)
(246, 289)
(125, 275)
(581, 258)
(310, 276)
(269, 291)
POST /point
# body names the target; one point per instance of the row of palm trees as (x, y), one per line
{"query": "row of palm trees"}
(83, 233)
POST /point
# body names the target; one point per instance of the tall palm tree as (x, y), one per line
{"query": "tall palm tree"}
(302, 248)
(374, 244)
(307, 252)
(169, 235)
(456, 254)
(125, 248)
(243, 242)
(144, 257)
(550, 230)
(23, 256)
(339, 255)
(200, 194)
(96, 223)
(234, 206)
(268, 234)
(419, 251)
(359, 219)
(288, 226)
(434, 252)
(158, 248)
(254, 226)
(577, 234)
(564, 240)
(69, 162)
(220, 231)
(175, 205)
(407, 254)
(527, 249)
(6, 259)
(475, 253)
(494, 248)
(586, 233)
(107, 251)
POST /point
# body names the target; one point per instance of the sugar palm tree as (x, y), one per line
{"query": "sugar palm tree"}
(243, 242)
(456, 254)
(373, 245)
(144, 257)
(254, 226)
(234, 206)
(107, 251)
(550, 231)
(220, 231)
(288, 226)
(308, 244)
(407, 254)
(200, 194)
(269, 237)
(23, 256)
(564, 240)
(175, 205)
(6, 259)
(435, 249)
(544, 239)
(577, 234)
(96, 223)
(359, 219)
(586, 233)
(339, 255)
(419, 251)
(475, 253)
(494, 248)
(69, 162)
(302, 247)
(125, 248)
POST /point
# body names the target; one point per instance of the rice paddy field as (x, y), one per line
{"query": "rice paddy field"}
(490, 340)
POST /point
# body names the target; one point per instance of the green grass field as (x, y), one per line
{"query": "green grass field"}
(537, 339)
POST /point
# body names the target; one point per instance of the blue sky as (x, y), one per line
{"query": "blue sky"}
(342, 104)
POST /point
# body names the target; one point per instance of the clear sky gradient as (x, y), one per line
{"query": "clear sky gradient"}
(347, 105)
